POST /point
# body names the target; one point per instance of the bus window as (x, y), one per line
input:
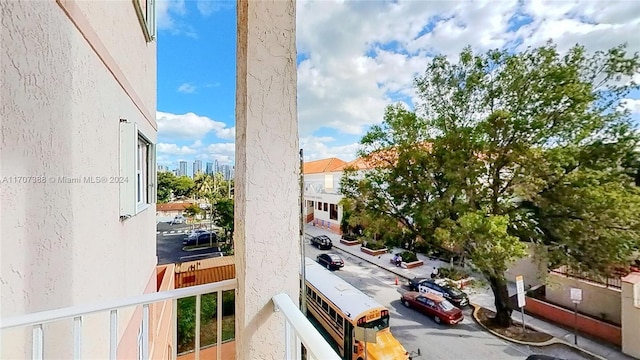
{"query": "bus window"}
(332, 313)
(308, 291)
(325, 306)
(378, 324)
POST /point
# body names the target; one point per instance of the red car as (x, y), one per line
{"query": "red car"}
(433, 305)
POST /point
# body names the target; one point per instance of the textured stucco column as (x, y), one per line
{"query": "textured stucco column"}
(267, 169)
(630, 298)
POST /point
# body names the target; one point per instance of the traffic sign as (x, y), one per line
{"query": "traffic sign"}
(520, 290)
(576, 295)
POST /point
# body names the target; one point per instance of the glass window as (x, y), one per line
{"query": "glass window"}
(446, 306)
(326, 207)
(142, 171)
(333, 212)
(378, 324)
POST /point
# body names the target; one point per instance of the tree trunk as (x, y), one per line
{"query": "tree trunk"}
(501, 295)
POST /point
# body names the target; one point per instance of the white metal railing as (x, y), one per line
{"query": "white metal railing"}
(38, 319)
(303, 332)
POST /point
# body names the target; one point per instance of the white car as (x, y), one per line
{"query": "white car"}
(179, 219)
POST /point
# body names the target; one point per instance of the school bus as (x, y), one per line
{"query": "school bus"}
(339, 307)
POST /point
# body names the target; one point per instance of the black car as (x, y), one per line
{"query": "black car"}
(330, 261)
(321, 242)
(542, 357)
(200, 238)
(442, 288)
(413, 283)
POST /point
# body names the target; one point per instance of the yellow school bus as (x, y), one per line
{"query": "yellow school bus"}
(339, 308)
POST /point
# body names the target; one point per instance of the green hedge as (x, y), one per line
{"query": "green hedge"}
(452, 273)
(408, 256)
(348, 237)
(373, 245)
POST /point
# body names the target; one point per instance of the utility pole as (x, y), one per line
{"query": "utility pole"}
(303, 286)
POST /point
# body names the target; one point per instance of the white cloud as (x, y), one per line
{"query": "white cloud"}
(190, 126)
(166, 9)
(173, 149)
(187, 88)
(347, 77)
(632, 104)
(316, 148)
(168, 14)
(227, 133)
(208, 7)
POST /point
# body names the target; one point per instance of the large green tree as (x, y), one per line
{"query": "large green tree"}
(183, 186)
(223, 216)
(166, 180)
(506, 148)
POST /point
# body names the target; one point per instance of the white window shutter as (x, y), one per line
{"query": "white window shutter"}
(128, 156)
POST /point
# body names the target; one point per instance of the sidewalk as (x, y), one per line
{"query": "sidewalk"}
(479, 296)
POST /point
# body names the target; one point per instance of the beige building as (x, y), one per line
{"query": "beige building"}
(78, 152)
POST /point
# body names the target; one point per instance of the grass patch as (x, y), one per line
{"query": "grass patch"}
(515, 331)
(209, 333)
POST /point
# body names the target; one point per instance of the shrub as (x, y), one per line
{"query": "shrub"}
(452, 273)
(350, 237)
(408, 256)
(373, 244)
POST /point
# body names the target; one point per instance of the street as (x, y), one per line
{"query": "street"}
(466, 340)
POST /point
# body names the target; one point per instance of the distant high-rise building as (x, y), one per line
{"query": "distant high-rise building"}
(225, 170)
(182, 171)
(209, 170)
(197, 167)
(216, 168)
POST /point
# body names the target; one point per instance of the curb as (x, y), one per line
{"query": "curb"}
(552, 341)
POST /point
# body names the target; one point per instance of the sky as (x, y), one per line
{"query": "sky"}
(354, 58)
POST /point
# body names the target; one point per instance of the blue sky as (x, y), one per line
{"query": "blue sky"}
(354, 58)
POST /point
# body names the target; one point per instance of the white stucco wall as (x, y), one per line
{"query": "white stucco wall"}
(597, 300)
(530, 267)
(631, 314)
(267, 193)
(64, 244)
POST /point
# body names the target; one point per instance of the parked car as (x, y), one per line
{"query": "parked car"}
(179, 219)
(413, 283)
(434, 306)
(198, 237)
(442, 288)
(321, 242)
(330, 261)
(542, 357)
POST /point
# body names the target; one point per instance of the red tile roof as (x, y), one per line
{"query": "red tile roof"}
(173, 206)
(323, 165)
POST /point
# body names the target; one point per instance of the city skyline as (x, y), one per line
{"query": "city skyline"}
(192, 168)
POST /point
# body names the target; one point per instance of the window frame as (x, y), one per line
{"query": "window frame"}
(146, 17)
(144, 163)
(137, 180)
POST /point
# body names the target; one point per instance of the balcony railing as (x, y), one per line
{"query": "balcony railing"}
(304, 332)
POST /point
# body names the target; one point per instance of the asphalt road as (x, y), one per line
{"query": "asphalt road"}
(169, 246)
(416, 331)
